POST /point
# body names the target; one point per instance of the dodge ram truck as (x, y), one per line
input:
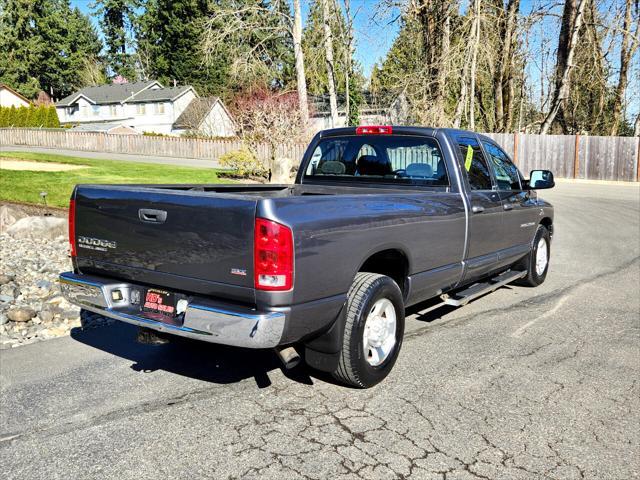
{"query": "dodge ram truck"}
(379, 218)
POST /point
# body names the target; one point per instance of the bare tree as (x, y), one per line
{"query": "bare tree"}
(569, 32)
(475, 39)
(504, 81)
(301, 78)
(221, 31)
(627, 49)
(328, 49)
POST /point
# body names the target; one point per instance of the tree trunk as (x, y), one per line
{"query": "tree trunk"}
(566, 51)
(347, 77)
(626, 53)
(507, 65)
(441, 83)
(299, 57)
(328, 51)
(474, 62)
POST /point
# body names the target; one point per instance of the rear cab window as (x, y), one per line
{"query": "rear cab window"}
(390, 159)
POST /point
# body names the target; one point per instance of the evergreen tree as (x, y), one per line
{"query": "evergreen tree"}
(41, 42)
(118, 21)
(169, 47)
(52, 120)
(316, 66)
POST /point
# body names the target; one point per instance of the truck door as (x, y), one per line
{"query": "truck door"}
(520, 215)
(485, 220)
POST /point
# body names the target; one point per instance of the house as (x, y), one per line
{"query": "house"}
(145, 106)
(10, 98)
(371, 111)
(106, 127)
(208, 116)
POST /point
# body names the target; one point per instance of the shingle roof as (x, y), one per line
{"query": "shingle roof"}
(195, 113)
(105, 94)
(159, 94)
(100, 127)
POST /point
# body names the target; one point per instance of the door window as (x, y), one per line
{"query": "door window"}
(474, 164)
(506, 172)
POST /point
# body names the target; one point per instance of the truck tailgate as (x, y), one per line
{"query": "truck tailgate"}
(180, 239)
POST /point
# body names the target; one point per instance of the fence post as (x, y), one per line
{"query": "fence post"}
(638, 161)
(576, 157)
(515, 148)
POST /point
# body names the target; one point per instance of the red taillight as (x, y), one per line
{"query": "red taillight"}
(72, 226)
(272, 256)
(374, 130)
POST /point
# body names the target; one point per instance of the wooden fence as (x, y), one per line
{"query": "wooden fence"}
(568, 156)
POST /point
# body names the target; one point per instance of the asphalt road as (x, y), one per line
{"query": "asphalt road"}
(520, 384)
(177, 161)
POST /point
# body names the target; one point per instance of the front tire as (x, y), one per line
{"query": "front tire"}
(537, 261)
(373, 331)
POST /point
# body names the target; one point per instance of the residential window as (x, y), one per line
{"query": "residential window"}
(141, 109)
(84, 110)
(113, 110)
(96, 110)
(159, 108)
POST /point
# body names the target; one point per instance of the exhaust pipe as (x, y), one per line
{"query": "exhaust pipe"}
(288, 356)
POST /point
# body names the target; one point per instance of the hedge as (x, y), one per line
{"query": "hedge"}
(33, 116)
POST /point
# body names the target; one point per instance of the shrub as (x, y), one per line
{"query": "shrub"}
(41, 116)
(244, 163)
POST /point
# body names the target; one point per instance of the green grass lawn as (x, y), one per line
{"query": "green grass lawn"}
(25, 185)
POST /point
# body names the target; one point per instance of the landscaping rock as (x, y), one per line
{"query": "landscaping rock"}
(21, 314)
(38, 227)
(5, 279)
(8, 216)
(32, 265)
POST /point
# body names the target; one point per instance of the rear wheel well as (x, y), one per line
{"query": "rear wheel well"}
(392, 263)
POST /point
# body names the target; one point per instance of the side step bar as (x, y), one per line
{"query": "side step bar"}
(476, 290)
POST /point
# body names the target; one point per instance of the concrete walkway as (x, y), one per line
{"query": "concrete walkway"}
(183, 162)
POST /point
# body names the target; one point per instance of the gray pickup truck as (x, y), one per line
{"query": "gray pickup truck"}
(380, 218)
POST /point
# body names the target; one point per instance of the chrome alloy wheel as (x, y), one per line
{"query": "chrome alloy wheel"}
(379, 336)
(542, 256)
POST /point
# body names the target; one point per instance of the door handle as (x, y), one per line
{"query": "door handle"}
(477, 209)
(508, 206)
(149, 215)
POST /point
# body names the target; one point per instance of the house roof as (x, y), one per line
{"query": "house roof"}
(7, 87)
(101, 127)
(159, 94)
(195, 113)
(111, 93)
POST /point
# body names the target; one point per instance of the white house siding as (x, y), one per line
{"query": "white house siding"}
(9, 99)
(218, 123)
(129, 113)
(150, 121)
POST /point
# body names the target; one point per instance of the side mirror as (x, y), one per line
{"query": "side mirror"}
(541, 179)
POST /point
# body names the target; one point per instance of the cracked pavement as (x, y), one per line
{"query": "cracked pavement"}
(520, 384)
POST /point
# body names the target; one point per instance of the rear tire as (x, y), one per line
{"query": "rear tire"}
(537, 261)
(373, 331)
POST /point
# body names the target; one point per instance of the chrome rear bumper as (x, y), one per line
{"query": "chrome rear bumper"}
(203, 319)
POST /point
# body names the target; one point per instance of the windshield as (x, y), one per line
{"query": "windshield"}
(379, 158)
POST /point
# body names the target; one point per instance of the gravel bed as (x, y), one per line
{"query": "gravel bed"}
(31, 305)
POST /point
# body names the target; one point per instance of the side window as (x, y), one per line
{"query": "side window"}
(506, 172)
(474, 163)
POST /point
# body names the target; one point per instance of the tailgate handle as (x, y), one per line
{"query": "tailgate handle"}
(148, 215)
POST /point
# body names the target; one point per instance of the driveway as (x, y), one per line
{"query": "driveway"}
(519, 384)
